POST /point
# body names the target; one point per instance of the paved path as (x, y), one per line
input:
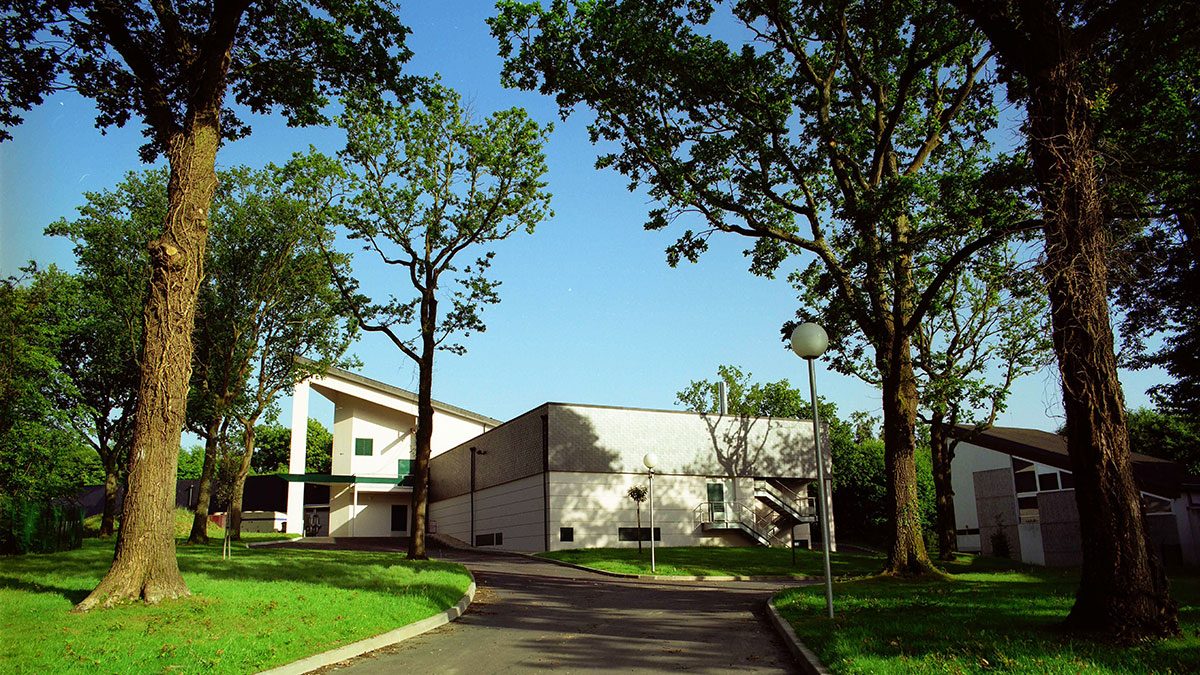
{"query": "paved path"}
(530, 616)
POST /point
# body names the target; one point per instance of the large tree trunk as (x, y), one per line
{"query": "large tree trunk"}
(212, 438)
(144, 565)
(420, 493)
(239, 482)
(1122, 591)
(906, 551)
(943, 455)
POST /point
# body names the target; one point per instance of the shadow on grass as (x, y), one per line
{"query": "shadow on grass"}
(13, 583)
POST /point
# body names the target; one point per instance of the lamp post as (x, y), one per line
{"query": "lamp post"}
(651, 460)
(810, 341)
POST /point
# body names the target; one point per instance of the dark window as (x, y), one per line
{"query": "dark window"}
(399, 517)
(1020, 464)
(1028, 506)
(566, 534)
(1048, 481)
(491, 539)
(1068, 480)
(967, 531)
(364, 447)
(1026, 481)
(633, 533)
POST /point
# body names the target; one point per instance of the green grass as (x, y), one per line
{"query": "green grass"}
(708, 561)
(262, 608)
(977, 622)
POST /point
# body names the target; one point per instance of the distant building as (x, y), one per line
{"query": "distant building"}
(1014, 489)
(555, 477)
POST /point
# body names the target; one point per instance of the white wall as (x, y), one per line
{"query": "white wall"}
(968, 459)
(373, 516)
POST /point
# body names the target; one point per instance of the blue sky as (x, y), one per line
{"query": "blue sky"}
(590, 311)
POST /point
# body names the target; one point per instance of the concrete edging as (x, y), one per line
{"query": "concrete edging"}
(809, 663)
(370, 644)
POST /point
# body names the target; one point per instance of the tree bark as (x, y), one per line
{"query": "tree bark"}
(1122, 591)
(108, 520)
(212, 437)
(144, 565)
(906, 551)
(420, 493)
(943, 455)
(234, 526)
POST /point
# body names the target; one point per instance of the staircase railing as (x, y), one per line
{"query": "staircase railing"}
(804, 506)
(737, 513)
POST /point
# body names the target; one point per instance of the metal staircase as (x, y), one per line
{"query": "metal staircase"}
(763, 528)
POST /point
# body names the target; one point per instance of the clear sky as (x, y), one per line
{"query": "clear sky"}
(590, 311)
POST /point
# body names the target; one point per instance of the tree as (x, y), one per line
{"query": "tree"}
(1048, 49)
(638, 494)
(270, 317)
(865, 124)
(40, 455)
(1166, 435)
(272, 449)
(426, 184)
(101, 353)
(987, 329)
(170, 66)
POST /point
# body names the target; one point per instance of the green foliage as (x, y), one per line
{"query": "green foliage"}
(745, 397)
(33, 527)
(720, 561)
(860, 491)
(191, 461)
(41, 456)
(143, 60)
(272, 448)
(262, 608)
(1165, 435)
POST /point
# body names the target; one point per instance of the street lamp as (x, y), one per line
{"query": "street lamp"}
(810, 341)
(651, 460)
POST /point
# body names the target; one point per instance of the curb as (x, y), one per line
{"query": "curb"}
(655, 577)
(361, 647)
(809, 663)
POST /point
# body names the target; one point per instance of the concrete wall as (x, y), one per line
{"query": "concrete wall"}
(1058, 516)
(599, 439)
(509, 452)
(596, 505)
(968, 459)
(996, 506)
(515, 509)
(390, 431)
(373, 516)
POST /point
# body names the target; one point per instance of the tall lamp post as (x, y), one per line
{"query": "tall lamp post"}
(651, 460)
(810, 341)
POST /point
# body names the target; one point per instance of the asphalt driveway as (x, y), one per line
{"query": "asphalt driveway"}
(530, 616)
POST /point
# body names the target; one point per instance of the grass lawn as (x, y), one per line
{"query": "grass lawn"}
(977, 622)
(708, 561)
(262, 608)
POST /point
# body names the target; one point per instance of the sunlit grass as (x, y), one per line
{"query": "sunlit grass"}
(261, 608)
(707, 561)
(975, 622)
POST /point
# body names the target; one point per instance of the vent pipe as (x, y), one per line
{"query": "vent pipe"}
(722, 398)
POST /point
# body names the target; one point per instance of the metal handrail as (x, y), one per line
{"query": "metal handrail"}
(805, 506)
(739, 513)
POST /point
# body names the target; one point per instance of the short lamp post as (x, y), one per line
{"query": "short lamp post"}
(809, 341)
(651, 460)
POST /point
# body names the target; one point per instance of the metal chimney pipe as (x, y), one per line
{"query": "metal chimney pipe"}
(722, 398)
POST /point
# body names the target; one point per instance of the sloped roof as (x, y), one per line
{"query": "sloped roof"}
(405, 394)
(1159, 476)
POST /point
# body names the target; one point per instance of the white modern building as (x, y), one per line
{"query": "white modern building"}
(557, 476)
(1014, 490)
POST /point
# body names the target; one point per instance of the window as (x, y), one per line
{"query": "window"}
(1068, 480)
(1024, 477)
(492, 539)
(364, 447)
(1048, 481)
(633, 534)
(1028, 506)
(399, 517)
(566, 534)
